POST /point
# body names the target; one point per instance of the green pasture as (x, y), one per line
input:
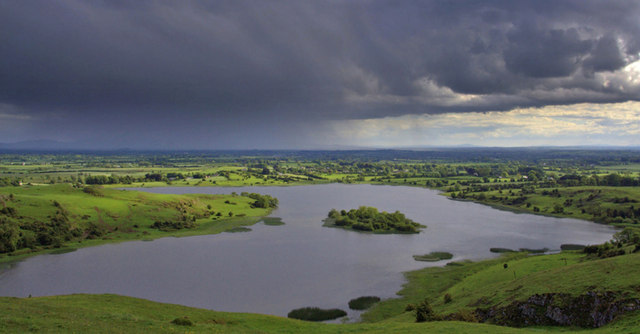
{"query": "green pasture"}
(127, 215)
(585, 202)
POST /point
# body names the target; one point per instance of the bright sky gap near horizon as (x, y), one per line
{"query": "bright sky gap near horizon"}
(319, 74)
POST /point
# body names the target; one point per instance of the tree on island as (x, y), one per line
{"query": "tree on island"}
(369, 219)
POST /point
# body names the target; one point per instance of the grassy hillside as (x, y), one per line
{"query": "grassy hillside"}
(119, 314)
(488, 283)
(516, 277)
(612, 205)
(45, 217)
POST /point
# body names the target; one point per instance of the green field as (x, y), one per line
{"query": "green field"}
(96, 215)
(517, 183)
(594, 203)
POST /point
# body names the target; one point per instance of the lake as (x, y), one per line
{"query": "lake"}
(274, 269)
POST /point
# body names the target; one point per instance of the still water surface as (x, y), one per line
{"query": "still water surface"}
(274, 269)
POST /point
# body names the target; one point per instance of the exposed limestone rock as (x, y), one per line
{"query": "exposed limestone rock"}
(592, 309)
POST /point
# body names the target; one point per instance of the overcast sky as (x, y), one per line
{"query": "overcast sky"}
(319, 74)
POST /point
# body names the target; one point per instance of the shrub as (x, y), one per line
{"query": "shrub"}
(592, 249)
(93, 191)
(28, 239)
(182, 321)
(9, 236)
(424, 312)
(95, 231)
(447, 298)
(9, 211)
(463, 315)
(261, 201)
(173, 225)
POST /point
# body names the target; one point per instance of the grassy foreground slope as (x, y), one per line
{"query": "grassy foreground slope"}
(38, 218)
(119, 314)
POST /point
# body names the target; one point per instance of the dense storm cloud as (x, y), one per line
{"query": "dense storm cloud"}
(198, 67)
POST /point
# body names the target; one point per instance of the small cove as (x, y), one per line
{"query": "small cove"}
(274, 269)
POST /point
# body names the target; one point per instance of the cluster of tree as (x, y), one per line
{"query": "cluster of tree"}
(111, 179)
(546, 168)
(423, 311)
(367, 218)
(173, 225)
(9, 181)
(261, 201)
(153, 177)
(612, 180)
(175, 176)
(16, 234)
(149, 177)
(623, 242)
(628, 215)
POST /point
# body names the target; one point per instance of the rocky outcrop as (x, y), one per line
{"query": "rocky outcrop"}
(592, 309)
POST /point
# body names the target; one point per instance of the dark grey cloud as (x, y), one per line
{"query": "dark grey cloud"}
(220, 62)
(606, 56)
(545, 54)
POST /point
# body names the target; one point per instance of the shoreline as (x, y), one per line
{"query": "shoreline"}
(230, 223)
(204, 228)
(441, 192)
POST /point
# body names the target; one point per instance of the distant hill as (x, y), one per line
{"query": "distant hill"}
(43, 145)
(35, 145)
(411, 152)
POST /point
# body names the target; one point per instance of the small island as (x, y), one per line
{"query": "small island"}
(369, 219)
(316, 314)
(433, 256)
(363, 303)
